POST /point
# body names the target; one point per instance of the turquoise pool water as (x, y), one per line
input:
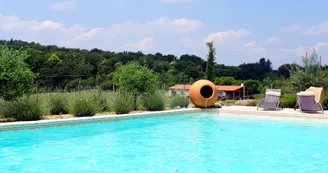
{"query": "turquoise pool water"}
(197, 142)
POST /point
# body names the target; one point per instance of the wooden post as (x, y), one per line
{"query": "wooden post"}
(233, 95)
(306, 55)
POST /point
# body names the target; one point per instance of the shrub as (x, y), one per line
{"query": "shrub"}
(16, 78)
(325, 103)
(23, 109)
(58, 104)
(288, 100)
(101, 102)
(135, 79)
(179, 100)
(122, 103)
(83, 105)
(154, 102)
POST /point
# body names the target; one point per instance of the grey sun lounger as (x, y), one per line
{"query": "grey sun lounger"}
(271, 100)
(306, 103)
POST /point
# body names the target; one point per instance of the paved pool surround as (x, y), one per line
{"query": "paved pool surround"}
(234, 111)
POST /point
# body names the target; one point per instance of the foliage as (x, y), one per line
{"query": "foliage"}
(302, 79)
(135, 79)
(210, 62)
(254, 85)
(62, 68)
(22, 109)
(154, 102)
(288, 100)
(325, 102)
(179, 100)
(16, 78)
(58, 104)
(284, 69)
(122, 103)
(225, 81)
(255, 71)
(83, 105)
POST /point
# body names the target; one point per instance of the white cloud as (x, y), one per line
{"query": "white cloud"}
(222, 37)
(190, 42)
(321, 29)
(50, 32)
(290, 28)
(163, 24)
(175, 1)
(250, 47)
(272, 40)
(301, 50)
(142, 45)
(62, 6)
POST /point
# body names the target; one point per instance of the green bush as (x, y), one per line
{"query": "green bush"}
(58, 104)
(288, 100)
(23, 109)
(83, 105)
(154, 102)
(101, 102)
(179, 100)
(122, 103)
(325, 103)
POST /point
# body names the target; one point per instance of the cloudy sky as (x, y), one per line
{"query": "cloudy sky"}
(242, 30)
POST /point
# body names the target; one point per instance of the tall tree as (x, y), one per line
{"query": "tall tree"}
(210, 62)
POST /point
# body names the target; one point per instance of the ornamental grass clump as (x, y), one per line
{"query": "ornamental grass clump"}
(22, 109)
(179, 100)
(83, 105)
(58, 104)
(154, 102)
(123, 103)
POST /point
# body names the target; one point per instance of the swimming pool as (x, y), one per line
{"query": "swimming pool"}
(193, 142)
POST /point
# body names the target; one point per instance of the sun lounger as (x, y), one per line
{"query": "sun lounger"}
(306, 102)
(271, 100)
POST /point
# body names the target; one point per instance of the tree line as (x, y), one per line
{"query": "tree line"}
(68, 68)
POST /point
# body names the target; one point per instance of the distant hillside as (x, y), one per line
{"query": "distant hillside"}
(60, 67)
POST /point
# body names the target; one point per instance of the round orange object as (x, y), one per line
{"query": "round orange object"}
(203, 93)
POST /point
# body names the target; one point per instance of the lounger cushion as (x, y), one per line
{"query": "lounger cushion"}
(273, 93)
(305, 93)
(318, 93)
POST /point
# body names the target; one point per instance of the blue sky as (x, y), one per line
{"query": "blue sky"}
(242, 31)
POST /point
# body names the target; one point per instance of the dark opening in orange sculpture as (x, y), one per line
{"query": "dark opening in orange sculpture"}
(203, 93)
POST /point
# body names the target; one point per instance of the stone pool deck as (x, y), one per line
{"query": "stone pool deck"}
(282, 114)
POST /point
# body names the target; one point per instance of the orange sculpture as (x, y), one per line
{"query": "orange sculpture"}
(203, 93)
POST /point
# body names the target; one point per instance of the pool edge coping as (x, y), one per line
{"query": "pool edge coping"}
(25, 125)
